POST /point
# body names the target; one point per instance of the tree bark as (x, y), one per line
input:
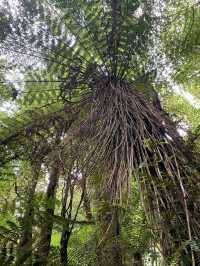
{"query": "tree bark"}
(66, 213)
(64, 247)
(65, 232)
(47, 225)
(87, 207)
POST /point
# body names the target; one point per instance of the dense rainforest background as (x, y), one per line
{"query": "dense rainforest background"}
(100, 132)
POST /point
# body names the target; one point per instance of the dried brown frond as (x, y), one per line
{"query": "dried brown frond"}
(123, 134)
(120, 135)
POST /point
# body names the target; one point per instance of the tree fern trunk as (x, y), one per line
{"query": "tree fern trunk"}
(109, 249)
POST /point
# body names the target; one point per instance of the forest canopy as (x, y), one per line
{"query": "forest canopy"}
(99, 132)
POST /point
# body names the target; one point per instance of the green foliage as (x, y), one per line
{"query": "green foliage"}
(136, 234)
(183, 110)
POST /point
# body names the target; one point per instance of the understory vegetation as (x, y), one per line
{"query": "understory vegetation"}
(100, 132)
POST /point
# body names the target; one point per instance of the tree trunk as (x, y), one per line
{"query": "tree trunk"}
(47, 225)
(65, 232)
(64, 247)
(109, 249)
(87, 207)
(25, 244)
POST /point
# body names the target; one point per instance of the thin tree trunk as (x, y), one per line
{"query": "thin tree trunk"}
(25, 244)
(65, 232)
(66, 213)
(64, 247)
(47, 225)
(87, 207)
